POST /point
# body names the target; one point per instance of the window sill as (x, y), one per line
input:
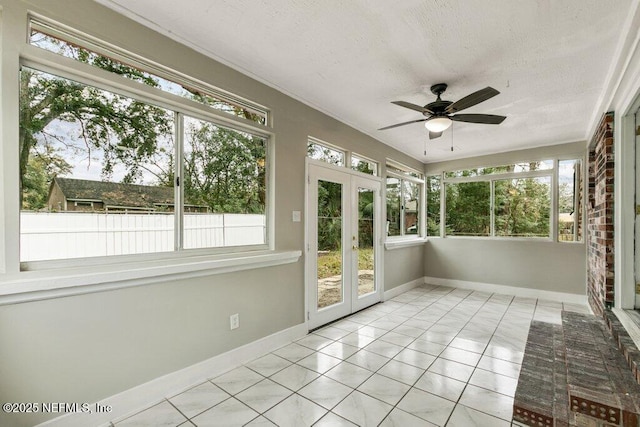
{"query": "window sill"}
(38, 285)
(404, 243)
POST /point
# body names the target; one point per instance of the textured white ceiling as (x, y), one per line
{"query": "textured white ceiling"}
(550, 60)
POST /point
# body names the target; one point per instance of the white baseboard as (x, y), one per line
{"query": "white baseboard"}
(394, 292)
(140, 397)
(508, 290)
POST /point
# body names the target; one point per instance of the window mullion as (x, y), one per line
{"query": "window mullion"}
(555, 193)
(422, 211)
(402, 207)
(443, 195)
(179, 182)
(492, 211)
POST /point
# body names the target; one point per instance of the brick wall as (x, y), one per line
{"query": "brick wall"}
(600, 218)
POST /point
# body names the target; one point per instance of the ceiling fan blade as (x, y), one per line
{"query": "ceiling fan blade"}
(434, 135)
(412, 106)
(489, 119)
(402, 124)
(471, 100)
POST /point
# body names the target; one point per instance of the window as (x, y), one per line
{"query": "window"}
(511, 201)
(334, 155)
(324, 153)
(394, 206)
(515, 168)
(434, 184)
(404, 201)
(523, 207)
(225, 173)
(468, 209)
(364, 165)
(103, 173)
(570, 189)
(63, 43)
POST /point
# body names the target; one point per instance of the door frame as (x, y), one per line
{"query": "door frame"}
(310, 276)
(625, 194)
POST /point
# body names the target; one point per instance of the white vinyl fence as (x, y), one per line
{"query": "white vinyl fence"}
(60, 235)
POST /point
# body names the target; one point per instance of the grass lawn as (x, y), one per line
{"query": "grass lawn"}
(330, 263)
(330, 267)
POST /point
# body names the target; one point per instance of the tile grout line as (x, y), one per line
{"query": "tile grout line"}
(432, 292)
(457, 402)
(483, 354)
(390, 359)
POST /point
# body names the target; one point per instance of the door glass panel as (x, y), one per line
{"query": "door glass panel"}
(330, 277)
(366, 248)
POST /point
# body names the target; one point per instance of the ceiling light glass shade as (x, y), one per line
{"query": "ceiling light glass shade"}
(438, 124)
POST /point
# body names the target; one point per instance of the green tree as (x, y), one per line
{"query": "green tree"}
(42, 167)
(566, 200)
(393, 206)
(329, 216)
(224, 169)
(467, 208)
(365, 218)
(433, 184)
(126, 131)
(120, 131)
(522, 207)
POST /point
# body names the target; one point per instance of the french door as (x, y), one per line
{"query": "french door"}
(343, 234)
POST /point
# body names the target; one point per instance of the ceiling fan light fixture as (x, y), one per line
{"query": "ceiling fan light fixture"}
(438, 124)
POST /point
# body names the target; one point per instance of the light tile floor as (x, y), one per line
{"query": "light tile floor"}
(433, 356)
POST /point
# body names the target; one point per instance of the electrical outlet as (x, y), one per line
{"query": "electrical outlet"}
(234, 321)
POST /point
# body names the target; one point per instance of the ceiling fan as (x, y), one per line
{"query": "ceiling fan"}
(440, 114)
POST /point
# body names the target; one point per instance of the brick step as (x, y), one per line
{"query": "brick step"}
(539, 398)
(625, 343)
(574, 374)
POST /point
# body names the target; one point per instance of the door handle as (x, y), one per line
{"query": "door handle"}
(355, 248)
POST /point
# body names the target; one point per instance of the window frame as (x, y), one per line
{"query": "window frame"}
(327, 146)
(491, 178)
(138, 92)
(99, 47)
(55, 278)
(404, 173)
(582, 194)
(440, 204)
(351, 156)
(553, 173)
(347, 157)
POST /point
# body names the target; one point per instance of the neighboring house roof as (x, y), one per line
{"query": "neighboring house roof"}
(115, 194)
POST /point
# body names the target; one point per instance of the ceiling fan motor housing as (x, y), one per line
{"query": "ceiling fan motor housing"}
(438, 106)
